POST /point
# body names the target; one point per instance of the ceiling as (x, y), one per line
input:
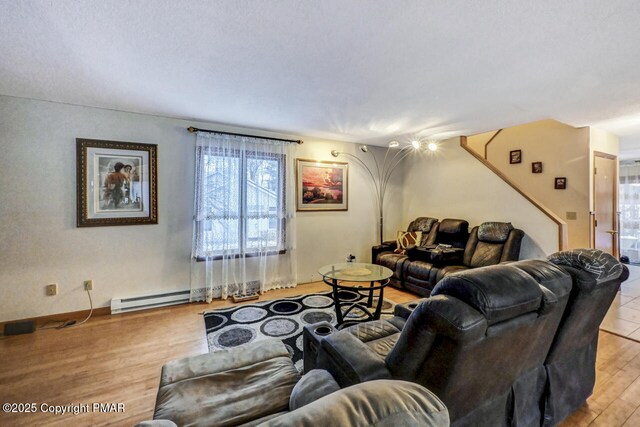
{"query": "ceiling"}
(353, 70)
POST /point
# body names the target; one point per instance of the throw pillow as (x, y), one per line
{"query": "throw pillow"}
(406, 239)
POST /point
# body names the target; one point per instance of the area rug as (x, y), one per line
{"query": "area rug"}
(281, 318)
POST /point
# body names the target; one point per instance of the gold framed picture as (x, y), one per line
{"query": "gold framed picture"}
(116, 183)
(321, 185)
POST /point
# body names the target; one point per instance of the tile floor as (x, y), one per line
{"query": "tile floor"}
(623, 317)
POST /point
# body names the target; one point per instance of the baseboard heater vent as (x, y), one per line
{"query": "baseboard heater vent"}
(124, 305)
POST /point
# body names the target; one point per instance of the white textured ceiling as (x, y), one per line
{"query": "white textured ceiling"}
(354, 70)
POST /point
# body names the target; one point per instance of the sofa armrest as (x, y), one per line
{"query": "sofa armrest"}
(444, 257)
(418, 253)
(379, 403)
(387, 246)
(511, 251)
(404, 310)
(349, 360)
(314, 385)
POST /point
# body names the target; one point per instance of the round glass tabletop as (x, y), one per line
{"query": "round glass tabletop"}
(355, 272)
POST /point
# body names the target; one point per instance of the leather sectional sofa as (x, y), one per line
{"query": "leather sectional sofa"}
(509, 344)
(424, 265)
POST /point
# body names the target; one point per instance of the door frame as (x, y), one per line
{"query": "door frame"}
(616, 211)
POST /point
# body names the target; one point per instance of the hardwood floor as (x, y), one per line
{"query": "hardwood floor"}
(623, 317)
(117, 359)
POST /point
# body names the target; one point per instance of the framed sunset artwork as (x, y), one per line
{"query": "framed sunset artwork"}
(321, 186)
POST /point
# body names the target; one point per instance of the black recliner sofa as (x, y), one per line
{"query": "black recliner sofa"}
(423, 265)
(489, 243)
(511, 344)
(386, 255)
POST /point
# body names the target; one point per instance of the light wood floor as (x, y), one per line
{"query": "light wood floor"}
(623, 317)
(117, 359)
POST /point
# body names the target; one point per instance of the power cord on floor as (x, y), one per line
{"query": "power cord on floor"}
(68, 322)
(90, 311)
(60, 324)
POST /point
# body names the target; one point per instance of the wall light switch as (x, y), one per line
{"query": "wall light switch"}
(572, 215)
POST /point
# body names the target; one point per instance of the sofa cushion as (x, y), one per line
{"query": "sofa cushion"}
(486, 254)
(499, 292)
(418, 269)
(393, 262)
(601, 265)
(379, 335)
(406, 239)
(495, 232)
(449, 269)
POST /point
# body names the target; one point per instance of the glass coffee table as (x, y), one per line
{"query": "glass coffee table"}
(350, 276)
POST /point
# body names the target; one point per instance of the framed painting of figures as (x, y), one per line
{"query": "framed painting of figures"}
(116, 183)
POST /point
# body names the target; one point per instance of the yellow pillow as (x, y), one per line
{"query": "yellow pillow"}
(406, 239)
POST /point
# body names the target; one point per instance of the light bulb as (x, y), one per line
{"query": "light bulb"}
(335, 153)
(393, 144)
(415, 144)
(364, 148)
(432, 146)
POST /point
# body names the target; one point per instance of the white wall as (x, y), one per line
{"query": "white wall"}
(39, 241)
(40, 244)
(453, 184)
(563, 151)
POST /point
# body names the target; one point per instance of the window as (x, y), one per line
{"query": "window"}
(240, 203)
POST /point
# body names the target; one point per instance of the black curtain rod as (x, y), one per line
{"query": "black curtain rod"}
(193, 129)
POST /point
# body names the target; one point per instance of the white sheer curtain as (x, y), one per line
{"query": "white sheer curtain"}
(244, 216)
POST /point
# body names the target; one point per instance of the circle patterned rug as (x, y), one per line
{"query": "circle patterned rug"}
(282, 318)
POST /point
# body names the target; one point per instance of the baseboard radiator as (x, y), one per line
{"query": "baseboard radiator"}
(125, 305)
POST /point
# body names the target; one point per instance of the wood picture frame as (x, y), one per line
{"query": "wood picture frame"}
(536, 167)
(515, 156)
(561, 183)
(116, 183)
(322, 185)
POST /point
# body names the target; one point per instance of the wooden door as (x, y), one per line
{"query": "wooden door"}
(605, 202)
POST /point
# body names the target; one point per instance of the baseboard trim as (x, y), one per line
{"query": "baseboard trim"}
(73, 315)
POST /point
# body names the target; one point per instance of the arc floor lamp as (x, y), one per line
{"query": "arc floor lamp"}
(381, 172)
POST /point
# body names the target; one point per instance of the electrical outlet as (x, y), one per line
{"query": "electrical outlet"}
(51, 289)
(88, 285)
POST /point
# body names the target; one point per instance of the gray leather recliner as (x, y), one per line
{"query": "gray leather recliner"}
(571, 362)
(257, 385)
(479, 343)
